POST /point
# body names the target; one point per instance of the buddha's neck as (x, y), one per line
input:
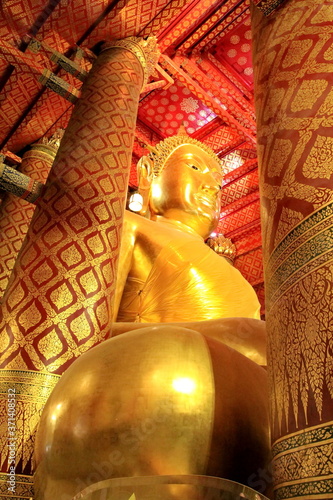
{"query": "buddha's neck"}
(178, 225)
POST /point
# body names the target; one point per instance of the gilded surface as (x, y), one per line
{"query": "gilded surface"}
(169, 389)
(183, 180)
(185, 405)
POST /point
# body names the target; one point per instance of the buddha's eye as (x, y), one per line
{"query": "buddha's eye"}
(193, 166)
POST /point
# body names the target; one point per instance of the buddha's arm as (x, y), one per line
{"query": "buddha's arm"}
(245, 335)
(125, 260)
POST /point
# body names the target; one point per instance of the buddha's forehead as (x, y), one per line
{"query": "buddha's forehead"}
(192, 151)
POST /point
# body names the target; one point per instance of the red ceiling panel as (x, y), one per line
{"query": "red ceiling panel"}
(236, 51)
(169, 109)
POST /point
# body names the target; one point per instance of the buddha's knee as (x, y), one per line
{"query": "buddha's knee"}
(161, 400)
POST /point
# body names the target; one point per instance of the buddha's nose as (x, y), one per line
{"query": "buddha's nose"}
(210, 185)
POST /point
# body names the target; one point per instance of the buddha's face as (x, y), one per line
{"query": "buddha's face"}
(188, 189)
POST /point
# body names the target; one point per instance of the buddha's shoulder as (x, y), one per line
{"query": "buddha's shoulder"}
(136, 223)
(147, 230)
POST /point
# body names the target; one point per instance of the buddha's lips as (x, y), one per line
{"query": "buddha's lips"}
(206, 200)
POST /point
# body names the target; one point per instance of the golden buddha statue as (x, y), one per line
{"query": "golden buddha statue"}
(169, 394)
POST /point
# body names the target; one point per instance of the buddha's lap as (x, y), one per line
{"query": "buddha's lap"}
(159, 400)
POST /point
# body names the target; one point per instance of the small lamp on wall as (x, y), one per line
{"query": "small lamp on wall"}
(135, 202)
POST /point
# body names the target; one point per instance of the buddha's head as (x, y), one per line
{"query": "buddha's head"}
(184, 179)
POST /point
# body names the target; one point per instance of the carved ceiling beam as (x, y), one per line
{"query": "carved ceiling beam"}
(244, 169)
(245, 245)
(61, 122)
(35, 46)
(26, 64)
(209, 86)
(215, 23)
(242, 187)
(245, 231)
(8, 155)
(241, 222)
(235, 79)
(240, 203)
(185, 23)
(223, 82)
(197, 90)
(235, 18)
(169, 17)
(206, 130)
(32, 31)
(223, 140)
(229, 146)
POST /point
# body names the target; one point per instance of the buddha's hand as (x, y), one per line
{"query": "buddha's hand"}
(146, 51)
(222, 246)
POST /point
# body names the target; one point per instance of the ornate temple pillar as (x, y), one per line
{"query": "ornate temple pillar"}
(59, 300)
(16, 213)
(293, 61)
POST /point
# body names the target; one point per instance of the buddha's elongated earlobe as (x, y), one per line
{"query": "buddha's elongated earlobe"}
(145, 177)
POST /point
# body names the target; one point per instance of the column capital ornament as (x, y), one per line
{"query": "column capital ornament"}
(49, 145)
(146, 51)
(267, 6)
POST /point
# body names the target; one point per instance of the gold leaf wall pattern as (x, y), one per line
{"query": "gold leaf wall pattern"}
(293, 64)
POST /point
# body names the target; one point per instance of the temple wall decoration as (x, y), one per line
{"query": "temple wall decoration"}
(293, 62)
(16, 213)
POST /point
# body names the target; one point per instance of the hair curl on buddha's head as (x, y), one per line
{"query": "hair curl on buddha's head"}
(161, 152)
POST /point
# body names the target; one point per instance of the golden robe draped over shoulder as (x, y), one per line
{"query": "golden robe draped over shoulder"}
(188, 282)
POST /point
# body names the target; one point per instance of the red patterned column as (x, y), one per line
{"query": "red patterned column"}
(59, 302)
(15, 213)
(293, 61)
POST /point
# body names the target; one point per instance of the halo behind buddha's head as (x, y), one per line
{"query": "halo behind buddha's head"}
(161, 152)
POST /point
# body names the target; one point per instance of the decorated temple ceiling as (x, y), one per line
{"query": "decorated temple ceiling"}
(205, 83)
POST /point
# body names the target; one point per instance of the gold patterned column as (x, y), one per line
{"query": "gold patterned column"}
(16, 213)
(293, 61)
(59, 301)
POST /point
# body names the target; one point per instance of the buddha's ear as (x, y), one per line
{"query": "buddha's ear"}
(145, 177)
(145, 172)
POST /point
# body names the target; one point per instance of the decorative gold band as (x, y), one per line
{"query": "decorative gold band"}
(294, 257)
(23, 396)
(302, 464)
(23, 489)
(146, 52)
